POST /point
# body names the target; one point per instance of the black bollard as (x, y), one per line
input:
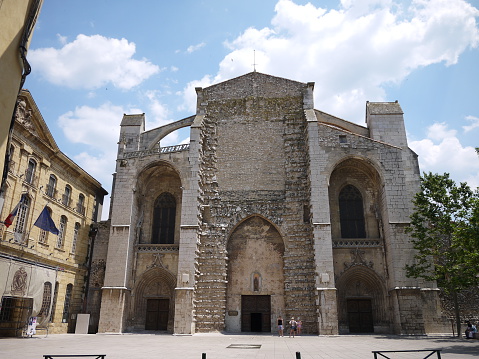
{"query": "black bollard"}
(203, 355)
(298, 355)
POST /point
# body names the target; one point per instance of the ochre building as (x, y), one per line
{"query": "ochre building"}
(272, 208)
(43, 274)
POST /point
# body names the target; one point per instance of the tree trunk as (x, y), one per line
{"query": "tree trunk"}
(456, 312)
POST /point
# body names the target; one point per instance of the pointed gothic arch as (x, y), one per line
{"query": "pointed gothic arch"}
(255, 285)
(361, 285)
(155, 284)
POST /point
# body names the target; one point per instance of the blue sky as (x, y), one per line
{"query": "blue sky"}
(93, 60)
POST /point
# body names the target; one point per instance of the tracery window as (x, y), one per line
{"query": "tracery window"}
(61, 232)
(351, 213)
(164, 214)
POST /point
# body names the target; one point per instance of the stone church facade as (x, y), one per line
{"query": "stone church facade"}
(272, 208)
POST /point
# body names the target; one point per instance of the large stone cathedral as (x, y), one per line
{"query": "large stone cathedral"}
(272, 209)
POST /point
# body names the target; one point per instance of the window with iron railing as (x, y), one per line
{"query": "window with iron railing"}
(66, 197)
(80, 208)
(61, 232)
(51, 186)
(30, 172)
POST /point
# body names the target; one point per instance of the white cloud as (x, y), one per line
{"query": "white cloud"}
(158, 114)
(92, 126)
(442, 152)
(189, 93)
(91, 62)
(473, 125)
(62, 39)
(98, 128)
(352, 52)
(101, 167)
(194, 48)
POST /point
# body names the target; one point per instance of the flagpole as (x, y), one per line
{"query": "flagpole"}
(32, 222)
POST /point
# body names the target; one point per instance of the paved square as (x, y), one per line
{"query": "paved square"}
(216, 346)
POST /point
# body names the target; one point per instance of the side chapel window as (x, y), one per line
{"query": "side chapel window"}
(351, 213)
(164, 214)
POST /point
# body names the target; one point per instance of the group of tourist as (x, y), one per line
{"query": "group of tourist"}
(470, 330)
(295, 326)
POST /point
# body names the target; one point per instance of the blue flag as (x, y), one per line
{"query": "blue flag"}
(45, 222)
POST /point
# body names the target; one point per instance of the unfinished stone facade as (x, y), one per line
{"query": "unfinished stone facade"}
(272, 208)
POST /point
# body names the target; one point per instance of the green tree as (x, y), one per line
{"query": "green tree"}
(445, 233)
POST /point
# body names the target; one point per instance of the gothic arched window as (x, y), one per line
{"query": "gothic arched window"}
(164, 214)
(351, 213)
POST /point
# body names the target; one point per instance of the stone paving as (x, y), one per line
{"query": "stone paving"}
(142, 346)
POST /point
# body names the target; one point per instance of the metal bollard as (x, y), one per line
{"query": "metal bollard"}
(298, 355)
(203, 355)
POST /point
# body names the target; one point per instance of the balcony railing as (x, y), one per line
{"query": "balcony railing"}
(30, 177)
(80, 208)
(66, 200)
(51, 191)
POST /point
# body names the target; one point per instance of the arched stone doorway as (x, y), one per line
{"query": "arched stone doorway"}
(154, 303)
(255, 291)
(362, 301)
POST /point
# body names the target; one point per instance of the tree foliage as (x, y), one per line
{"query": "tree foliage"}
(445, 233)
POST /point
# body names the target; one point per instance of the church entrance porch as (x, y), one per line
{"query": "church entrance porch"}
(157, 314)
(256, 313)
(360, 316)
